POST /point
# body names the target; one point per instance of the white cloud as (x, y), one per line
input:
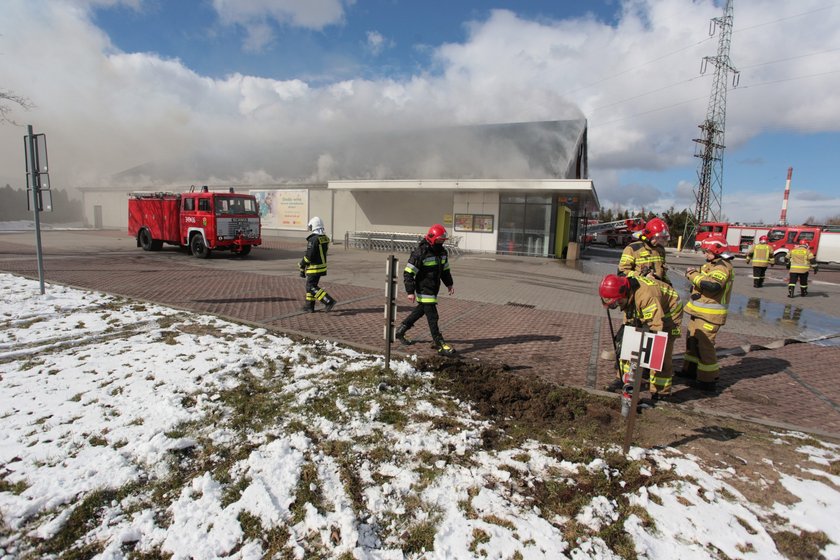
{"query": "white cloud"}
(376, 42)
(636, 81)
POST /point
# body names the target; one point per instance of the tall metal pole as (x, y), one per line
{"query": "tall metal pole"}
(710, 145)
(34, 186)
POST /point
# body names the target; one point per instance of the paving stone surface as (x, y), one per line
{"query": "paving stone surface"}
(537, 317)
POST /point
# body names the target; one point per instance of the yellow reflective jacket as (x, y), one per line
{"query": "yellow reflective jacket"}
(641, 255)
(656, 304)
(711, 288)
(760, 255)
(801, 259)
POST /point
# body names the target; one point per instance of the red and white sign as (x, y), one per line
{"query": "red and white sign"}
(652, 350)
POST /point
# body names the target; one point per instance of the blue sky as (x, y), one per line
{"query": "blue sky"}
(118, 83)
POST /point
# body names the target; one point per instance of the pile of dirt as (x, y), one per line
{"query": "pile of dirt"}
(532, 404)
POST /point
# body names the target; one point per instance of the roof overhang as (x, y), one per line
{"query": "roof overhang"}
(583, 188)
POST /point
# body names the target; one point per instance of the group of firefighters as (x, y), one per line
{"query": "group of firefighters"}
(800, 262)
(641, 289)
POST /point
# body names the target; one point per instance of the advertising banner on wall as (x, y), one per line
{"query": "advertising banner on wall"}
(283, 209)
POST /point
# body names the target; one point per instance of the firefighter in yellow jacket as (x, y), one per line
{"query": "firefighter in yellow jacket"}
(761, 256)
(651, 302)
(800, 261)
(711, 287)
(647, 255)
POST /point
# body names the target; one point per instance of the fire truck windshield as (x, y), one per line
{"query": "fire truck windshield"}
(775, 235)
(228, 205)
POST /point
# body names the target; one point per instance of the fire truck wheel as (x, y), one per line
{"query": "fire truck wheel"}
(145, 238)
(198, 248)
(611, 243)
(781, 258)
(246, 249)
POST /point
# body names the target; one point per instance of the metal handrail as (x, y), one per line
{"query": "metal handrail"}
(392, 241)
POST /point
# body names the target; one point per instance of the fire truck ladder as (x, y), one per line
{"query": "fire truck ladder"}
(595, 229)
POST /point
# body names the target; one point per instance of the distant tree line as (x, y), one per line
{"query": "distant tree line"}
(14, 207)
(832, 221)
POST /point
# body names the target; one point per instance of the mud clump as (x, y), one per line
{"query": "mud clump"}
(524, 404)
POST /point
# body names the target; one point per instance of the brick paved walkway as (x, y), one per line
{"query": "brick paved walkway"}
(536, 316)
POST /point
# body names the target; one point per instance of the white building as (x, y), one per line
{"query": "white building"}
(508, 188)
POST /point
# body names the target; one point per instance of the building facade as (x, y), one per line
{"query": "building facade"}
(455, 177)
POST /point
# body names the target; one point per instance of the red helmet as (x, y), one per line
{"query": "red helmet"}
(657, 229)
(762, 239)
(613, 288)
(436, 234)
(715, 244)
(806, 242)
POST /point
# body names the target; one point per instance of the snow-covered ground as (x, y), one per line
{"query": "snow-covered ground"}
(127, 427)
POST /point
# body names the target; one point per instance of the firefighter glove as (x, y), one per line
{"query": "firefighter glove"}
(302, 274)
(816, 269)
(695, 296)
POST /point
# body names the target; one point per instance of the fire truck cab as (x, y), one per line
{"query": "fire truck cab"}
(202, 221)
(824, 241)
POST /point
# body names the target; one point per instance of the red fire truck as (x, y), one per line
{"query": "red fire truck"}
(825, 240)
(740, 237)
(202, 220)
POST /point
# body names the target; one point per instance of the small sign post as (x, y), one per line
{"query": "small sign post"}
(392, 265)
(38, 185)
(650, 354)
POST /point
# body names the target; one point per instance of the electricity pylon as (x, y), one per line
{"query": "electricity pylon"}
(708, 192)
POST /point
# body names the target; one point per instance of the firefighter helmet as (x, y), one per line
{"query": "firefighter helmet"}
(714, 244)
(316, 225)
(762, 239)
(613, 288)
(806, 242)
(657, 230)
(436, 234)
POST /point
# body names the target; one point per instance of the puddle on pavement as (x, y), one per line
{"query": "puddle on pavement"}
(798, 322)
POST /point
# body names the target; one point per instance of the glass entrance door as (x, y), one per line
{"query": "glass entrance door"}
(525, 225)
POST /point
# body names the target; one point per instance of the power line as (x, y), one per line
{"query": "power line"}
(642, 65)
(792, 58)
(786, 18)
(693, 99)
(664, 56)
(681, 82)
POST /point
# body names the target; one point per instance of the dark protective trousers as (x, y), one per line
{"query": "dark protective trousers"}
(313, 292)
(802, 277)
(758, 276)
(431, 313)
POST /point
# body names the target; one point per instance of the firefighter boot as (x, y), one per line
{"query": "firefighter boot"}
(443, 348)
(790, 291)
(309, 307)
(400, 335)
(688, 371)
(329, 302)
(803, 292)
(705, 386)
(756, 283)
